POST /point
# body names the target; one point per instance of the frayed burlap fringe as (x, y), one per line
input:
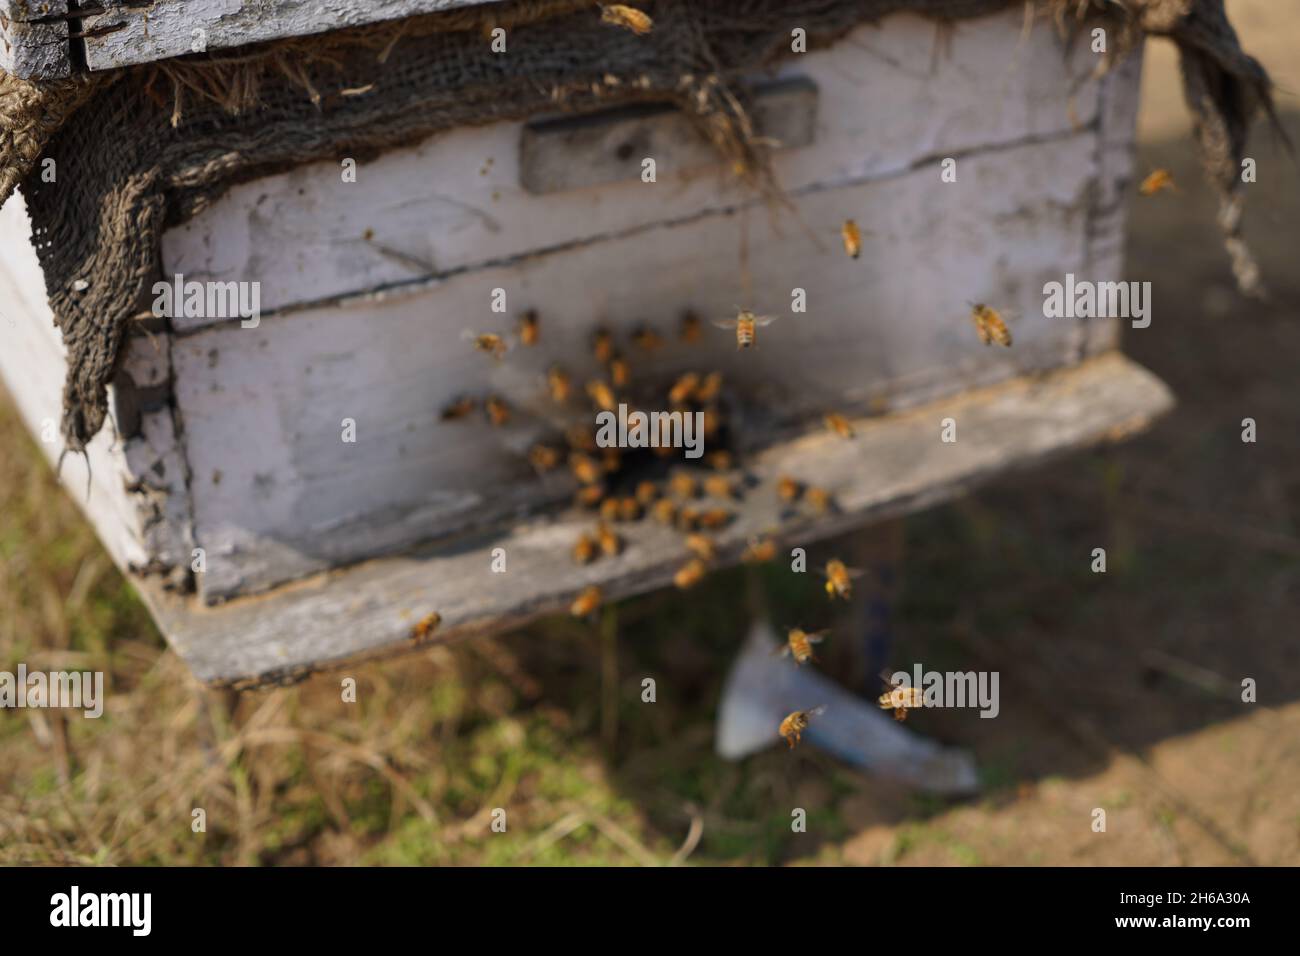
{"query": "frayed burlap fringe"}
(158, 143)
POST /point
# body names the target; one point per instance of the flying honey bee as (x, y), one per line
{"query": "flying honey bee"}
(586, 602)
(795, 724)
(609, 540)
(665, 511)
(621, 15)
(584, 549)
(425, 626)
(619, 373)
(788, 489)
(798, 644)
(458, 409)
(585, 468)
(682, 485)
(684, 388)
(900, 699)
(529, 330)
(690, 574)
(758, 551)
(710, 387)
(488, 342)
(647, 339)
(602, 346)
(1156, 181)
(498, 411)
(715, 518)
(702, 546)
(543, 457)
(601, 395)
(689, 330)
(839, 579)
(852, 238)
(838, 424)
(559, 383)
(745, 323)
(719, 486)
(589, 496)
(646, 492)
(989, 325)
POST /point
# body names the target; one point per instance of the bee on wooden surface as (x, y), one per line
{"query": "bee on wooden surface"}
(458, 409)
(702, 546)
(646, 339)
(852, 238)
(819, 499)
(584, 549)
(559, 384)
(758, 551)
(690, 574)
(788, 489)
(838, 424)
(425, 626)
(529, 328)
(1157, 180)
(488, 342)
(589, 496)
(601, 395)
(544, 458)
(719, 486)
(683, 485)
(799, 644)
(900, 699)
(630, 18)
(746, 323)
(689, 330)
(602, 346)
(498, 411)
(586, 602)
(684, 388)
(609, 510)
(688, 519)
(646, 492)
(989, 325)
(665, 511)
(619, 373)
(709, 388)
(839, 579)
(585, 468)
(610, 542)
(715, 518)
(629, 509)
(795, 724)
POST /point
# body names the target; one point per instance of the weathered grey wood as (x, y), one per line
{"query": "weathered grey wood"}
(34, 39)
(165, 28)
(572, 152)
(893, 465)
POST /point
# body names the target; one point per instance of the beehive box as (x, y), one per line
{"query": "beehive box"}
(227, 448)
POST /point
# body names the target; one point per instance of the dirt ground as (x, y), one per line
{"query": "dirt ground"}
(1119, 691)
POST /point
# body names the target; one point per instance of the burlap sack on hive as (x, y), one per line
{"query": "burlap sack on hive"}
(141, 149)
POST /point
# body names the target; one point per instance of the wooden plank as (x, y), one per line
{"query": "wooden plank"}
(277, 494)
(455, 202)
(34, 43)
(144, 32)
(892, 465)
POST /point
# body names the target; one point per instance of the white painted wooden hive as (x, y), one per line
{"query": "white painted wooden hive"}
(318, 550)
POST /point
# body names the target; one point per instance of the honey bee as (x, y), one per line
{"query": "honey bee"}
(989, 325)
(585, 468)
(759, 550)
(900, 699)
(559, 383)
(458, 409)
(721, 460)
(795, 724)
(688, 519)
(602, 396)
(839, 579)
(425, 626)
(1157, 180)
(646, 339)
(493, 345)
(819, 499)
(689, 330)
(852, 238)
(715, 518)
(609, 510)
(710, 387)
(589, 496)
(610, 459)
(529, 332)
(619, 373)
(711, 422)
(665, 511)
(838, 424)
(719, 486)
(543, 457)
(690, 574)
(602, 346)
(498, 411)
(646, 492)
(798, 644)
(683, 485)
(629, 509)
(609, 540)
(745, 323)
(684, 388)
(621, 15)
(584, 549)
(702, 546)
(788, 489)
(586, 602)
(580, 438)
